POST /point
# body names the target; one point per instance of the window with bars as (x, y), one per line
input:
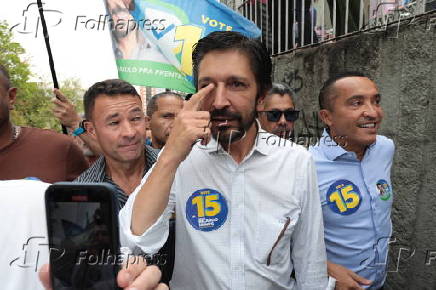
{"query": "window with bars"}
(290, 24)
(281, 22)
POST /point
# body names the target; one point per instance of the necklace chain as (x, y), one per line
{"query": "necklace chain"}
(16, 130)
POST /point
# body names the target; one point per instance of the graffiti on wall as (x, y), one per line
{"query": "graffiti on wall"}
(293, 80)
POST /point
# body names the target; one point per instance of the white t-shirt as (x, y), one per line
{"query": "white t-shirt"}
(23, 241)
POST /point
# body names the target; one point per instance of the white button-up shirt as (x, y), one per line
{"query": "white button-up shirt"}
(242, 226)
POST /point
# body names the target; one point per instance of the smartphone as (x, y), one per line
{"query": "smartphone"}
(82, 223)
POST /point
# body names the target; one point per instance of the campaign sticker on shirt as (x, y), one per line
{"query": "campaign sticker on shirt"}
(343, 197)
(206, 210)
(383, 189)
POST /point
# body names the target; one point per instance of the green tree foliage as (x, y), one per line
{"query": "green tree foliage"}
(34, 99)
(35, 109)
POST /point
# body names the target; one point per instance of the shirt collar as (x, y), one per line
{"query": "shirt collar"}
(261, 143)
(213, 147)
(150, 158)
(100, 167)
(333, 150)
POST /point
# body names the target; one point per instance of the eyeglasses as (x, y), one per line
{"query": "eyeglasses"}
(274, 116)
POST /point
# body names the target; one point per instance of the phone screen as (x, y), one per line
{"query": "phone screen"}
(83, 250)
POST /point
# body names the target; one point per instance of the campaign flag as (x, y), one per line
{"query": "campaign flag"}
(153, 39)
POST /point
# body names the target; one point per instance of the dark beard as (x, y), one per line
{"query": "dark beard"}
(227, 135)
(119, 34)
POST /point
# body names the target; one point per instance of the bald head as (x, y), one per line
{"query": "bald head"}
(152, 105)
(7, 100)
(162, 109)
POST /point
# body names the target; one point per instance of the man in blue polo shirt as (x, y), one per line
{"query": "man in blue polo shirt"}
(353, 165)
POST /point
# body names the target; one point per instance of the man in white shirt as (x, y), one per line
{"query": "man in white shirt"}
(25, 247)
(248, 212)
(24, 233)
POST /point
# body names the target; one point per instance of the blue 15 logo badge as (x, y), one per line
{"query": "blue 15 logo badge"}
(206, 210)
(343, 197)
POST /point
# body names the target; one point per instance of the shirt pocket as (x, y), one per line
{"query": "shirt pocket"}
(273, 238)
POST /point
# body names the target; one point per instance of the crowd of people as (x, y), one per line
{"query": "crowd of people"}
(226, 208)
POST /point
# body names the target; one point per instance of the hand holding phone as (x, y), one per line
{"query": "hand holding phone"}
(133, 275)
(83, 236)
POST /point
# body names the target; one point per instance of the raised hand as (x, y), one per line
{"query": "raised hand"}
(65, 111)
(190, 125)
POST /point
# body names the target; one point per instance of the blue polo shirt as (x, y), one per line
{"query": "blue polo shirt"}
(356, 198)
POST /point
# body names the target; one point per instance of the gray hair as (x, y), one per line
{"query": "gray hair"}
(281, 89)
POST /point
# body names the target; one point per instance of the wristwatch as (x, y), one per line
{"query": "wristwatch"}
(80, 130)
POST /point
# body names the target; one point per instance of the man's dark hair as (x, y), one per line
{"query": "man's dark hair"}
(326, 93)
(152, 103)
(257, 53)
(281, 89)
(108, 87)
(4, 77)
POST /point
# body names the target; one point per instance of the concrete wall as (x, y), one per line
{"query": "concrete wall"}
(404, 67)
(403, 64)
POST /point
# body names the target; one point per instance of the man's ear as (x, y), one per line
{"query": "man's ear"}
(326, 117)
(12, 94)
(89, 126)
(260, 106)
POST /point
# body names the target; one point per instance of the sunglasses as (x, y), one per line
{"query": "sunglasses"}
(274, 116)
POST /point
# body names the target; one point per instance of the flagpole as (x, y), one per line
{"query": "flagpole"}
(50, 56)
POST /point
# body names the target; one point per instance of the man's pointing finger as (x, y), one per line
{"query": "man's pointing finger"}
(196, 100)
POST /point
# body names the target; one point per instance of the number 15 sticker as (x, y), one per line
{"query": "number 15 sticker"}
(206, 210)
(343, 197)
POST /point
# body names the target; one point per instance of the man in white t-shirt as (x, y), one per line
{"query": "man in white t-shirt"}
(23, 233)
(25, 247)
